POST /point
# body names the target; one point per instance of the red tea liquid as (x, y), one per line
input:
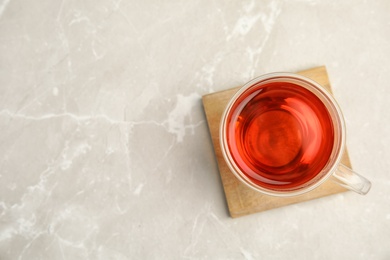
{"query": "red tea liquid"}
(280, 135)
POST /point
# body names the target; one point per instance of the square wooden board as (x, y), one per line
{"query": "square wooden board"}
(242, 200)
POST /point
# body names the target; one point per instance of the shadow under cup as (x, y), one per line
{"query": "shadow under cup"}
(282, 134)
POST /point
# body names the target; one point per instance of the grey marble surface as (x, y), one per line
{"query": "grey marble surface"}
(104, 147)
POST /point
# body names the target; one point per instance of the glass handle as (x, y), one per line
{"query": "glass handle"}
(349, 179)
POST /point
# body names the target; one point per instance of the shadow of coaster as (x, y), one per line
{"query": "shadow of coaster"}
(242, 200)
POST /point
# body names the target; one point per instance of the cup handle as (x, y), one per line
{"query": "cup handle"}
(349, 179)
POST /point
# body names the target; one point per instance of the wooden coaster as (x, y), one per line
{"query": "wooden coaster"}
(242, 200)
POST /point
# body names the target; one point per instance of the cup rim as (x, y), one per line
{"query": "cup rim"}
(337, 118)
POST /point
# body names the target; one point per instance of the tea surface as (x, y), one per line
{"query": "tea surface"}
(280, 135)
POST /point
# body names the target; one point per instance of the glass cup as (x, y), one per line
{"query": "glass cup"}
(283, 134)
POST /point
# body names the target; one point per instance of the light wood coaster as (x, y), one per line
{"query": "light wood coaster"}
(242, 200)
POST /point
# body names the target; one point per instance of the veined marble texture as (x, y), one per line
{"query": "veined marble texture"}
(104, 147)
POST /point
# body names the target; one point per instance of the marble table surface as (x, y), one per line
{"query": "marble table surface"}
(105, 151)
